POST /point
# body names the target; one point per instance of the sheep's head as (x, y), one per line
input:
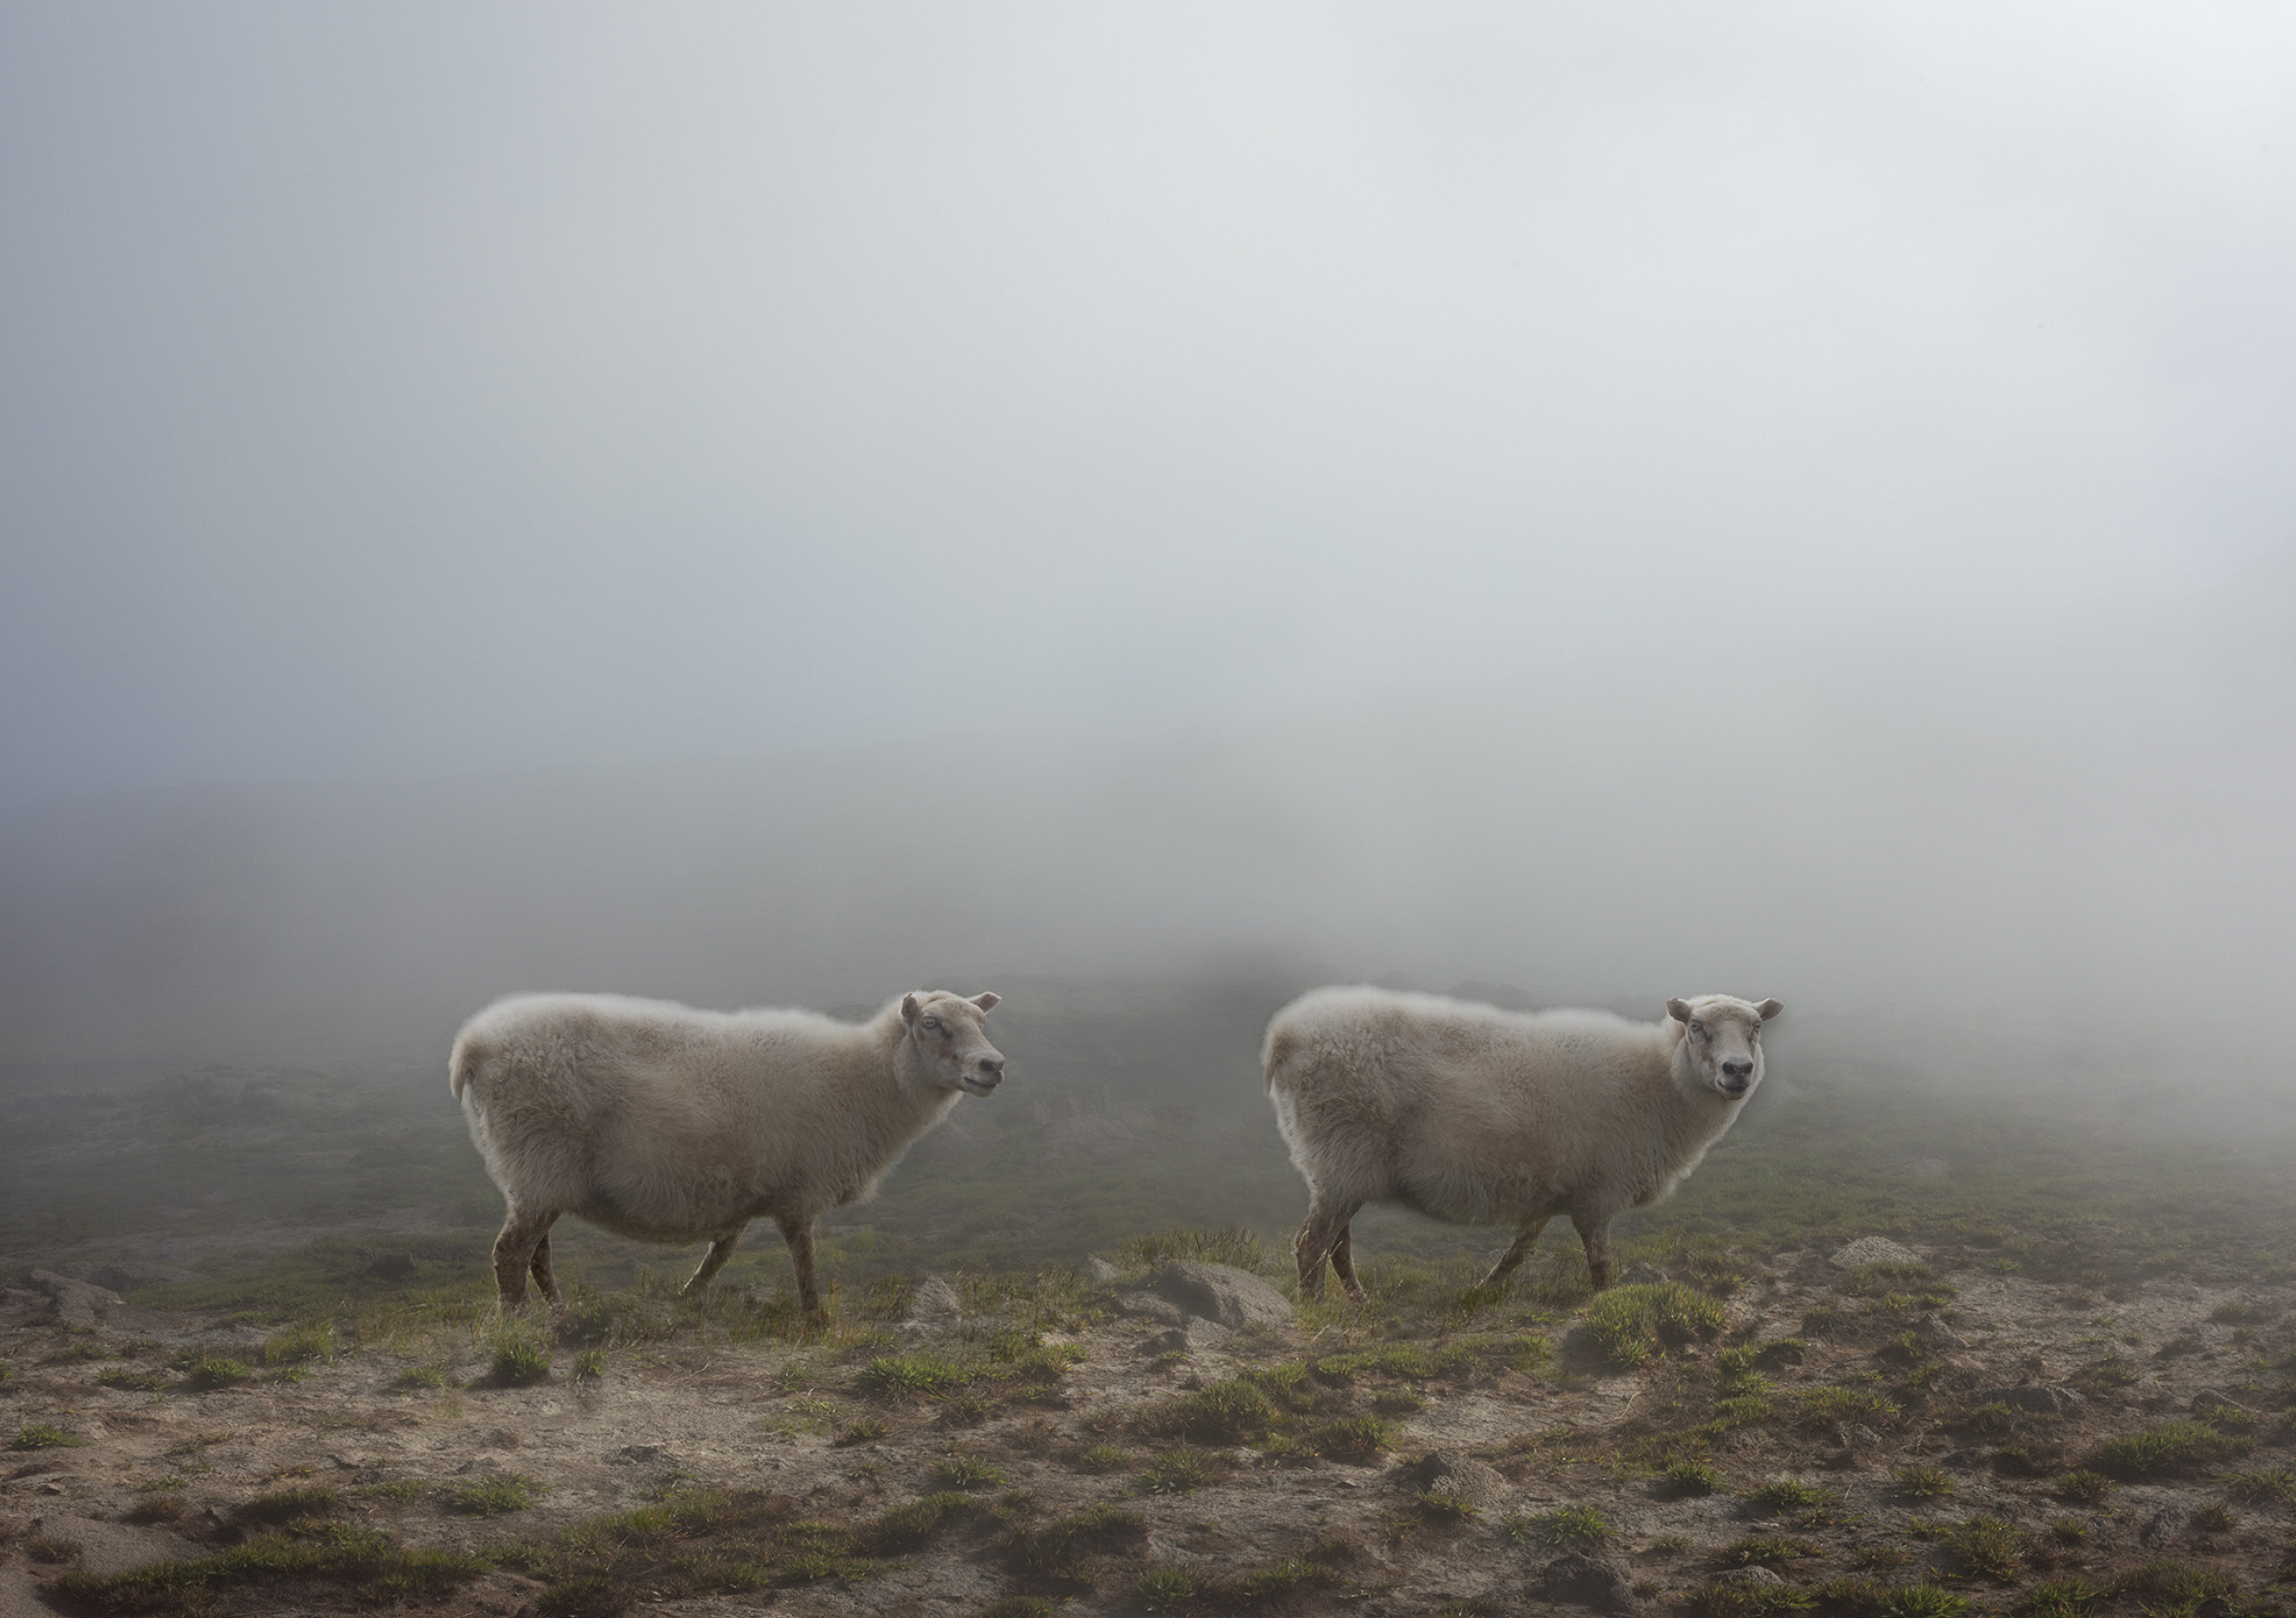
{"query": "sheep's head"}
(952, 1051)
(1722, 1038)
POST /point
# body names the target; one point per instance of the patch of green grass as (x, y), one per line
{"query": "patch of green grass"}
(1987, 1547)
(517, 1355)
(1685, 1479)
(1363, 1438)
(418, 1378)
(1225, 1412)
(1167, 1589)
(1570, 1528)
(1184, 1469)
(861, 1430)
(2167, 1450)
(2058, 1598)
(1631, 1325)
(1924, 1600)
(2083, 1486)
(1239, 1249)
(363, 1560)
(299, 1345)
(217, 1371)
(2175, 1589)
(1061, 1547)
(39, 1435)
(494, 1494)
(2272, 1486)
(1021, 1607)
(1826, 1407)
(1765, 1551)
(1279, 1581)
(906, 1527)
(1923, 1483)
(911, 1375)
(398, 1492)
(1786, 1495)
(1101, 1458)
(288, 1505)
(966, 1472)
(590, 1365)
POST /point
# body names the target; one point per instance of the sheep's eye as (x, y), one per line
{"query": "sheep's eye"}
(1697, 1028)
(933, 1023)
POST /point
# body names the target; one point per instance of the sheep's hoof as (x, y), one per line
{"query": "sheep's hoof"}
(1358, 1295)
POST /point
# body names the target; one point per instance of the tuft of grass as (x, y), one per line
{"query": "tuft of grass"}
(39, 1435)
(914, 1375)
(2083, 1487)
(1923, 1483)
(1570, 1528)
(1826, 1407)
(906, 1527)
(216, 1371)
(1987, 1547)
(966, 1472)
(2058, 1598)
(1266, 1586)
(1167, 1589)
(129, 1381)
(590, 1365)
(299, 1345)
(1021, 1607)
(1239, 1249)
(288, 1505)
(1225, 1412)
(2167, 1449)
(861, 1430)
(418, 1378)
(1924, 1600)
(1786, 1495)
(1743, 1598)
(496, 1494)
(2272, 1486)
(1631, 1325)
(1685, 1479)
(1184, 1469)
(1059, 1549)
(363, 1561)
(2175, 1589)
(519, 1358)
(1765, 1551)
(1362, 1438)
(1103, 1458)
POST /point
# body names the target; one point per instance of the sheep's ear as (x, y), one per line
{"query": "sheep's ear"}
(988, 1000)
(1770, 1008)
(1679, 1010)
(909, 1008)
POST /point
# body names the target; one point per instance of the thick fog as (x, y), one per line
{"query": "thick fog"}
(792, 503)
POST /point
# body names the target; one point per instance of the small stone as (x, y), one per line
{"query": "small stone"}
(2162, 1528)
(1938, 1334)
(1873, 1250)
(1458, 1476)
(1148, 1306)
(1187, 1338)
(1232, 1297)
(1588, 1581)
(1099, 1272)
(2208, 1398)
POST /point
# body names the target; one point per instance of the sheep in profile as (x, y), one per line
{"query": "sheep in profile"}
(1480, 1116)
(669, 1124)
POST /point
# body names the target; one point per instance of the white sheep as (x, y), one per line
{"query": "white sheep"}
(1479, 1117)
(667, 1124)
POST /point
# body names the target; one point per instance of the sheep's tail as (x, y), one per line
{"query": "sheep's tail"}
(1278, 1050)
(462, 1066)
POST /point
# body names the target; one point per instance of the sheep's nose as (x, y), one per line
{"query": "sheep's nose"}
(992, 1068)
(1738, 1069)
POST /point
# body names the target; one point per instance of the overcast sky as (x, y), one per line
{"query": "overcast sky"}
(395, 391)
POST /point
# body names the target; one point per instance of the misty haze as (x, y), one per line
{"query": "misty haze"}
(1135, 515)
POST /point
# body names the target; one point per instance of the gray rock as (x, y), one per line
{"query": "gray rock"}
(1588, 1581)
(1189, 1338)
(1234, 1297)
(2208, 1399)
(1099, 1272)
(2162, 1528)
(1458, 1476)
(1148, 1306)
(1749, 1576)
(77, 1304)
(1938, 1334)
(1872, 1250)
(2033, 1398)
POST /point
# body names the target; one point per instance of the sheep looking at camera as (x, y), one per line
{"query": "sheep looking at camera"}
(667, 1124)
(1478, 1116)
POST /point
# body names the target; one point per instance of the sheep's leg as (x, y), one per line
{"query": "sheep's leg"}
(1344, 1262)
(542, 1270)
(798, 1233)
(523, 1234)
(1512, 1260)
(1326, 1227)
(720, 1250)
(1595, 1233)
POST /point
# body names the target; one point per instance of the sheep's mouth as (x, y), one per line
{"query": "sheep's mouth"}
(1732, 1092)
(976, 1086)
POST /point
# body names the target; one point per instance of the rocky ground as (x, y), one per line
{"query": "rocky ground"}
(1875, 1430)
